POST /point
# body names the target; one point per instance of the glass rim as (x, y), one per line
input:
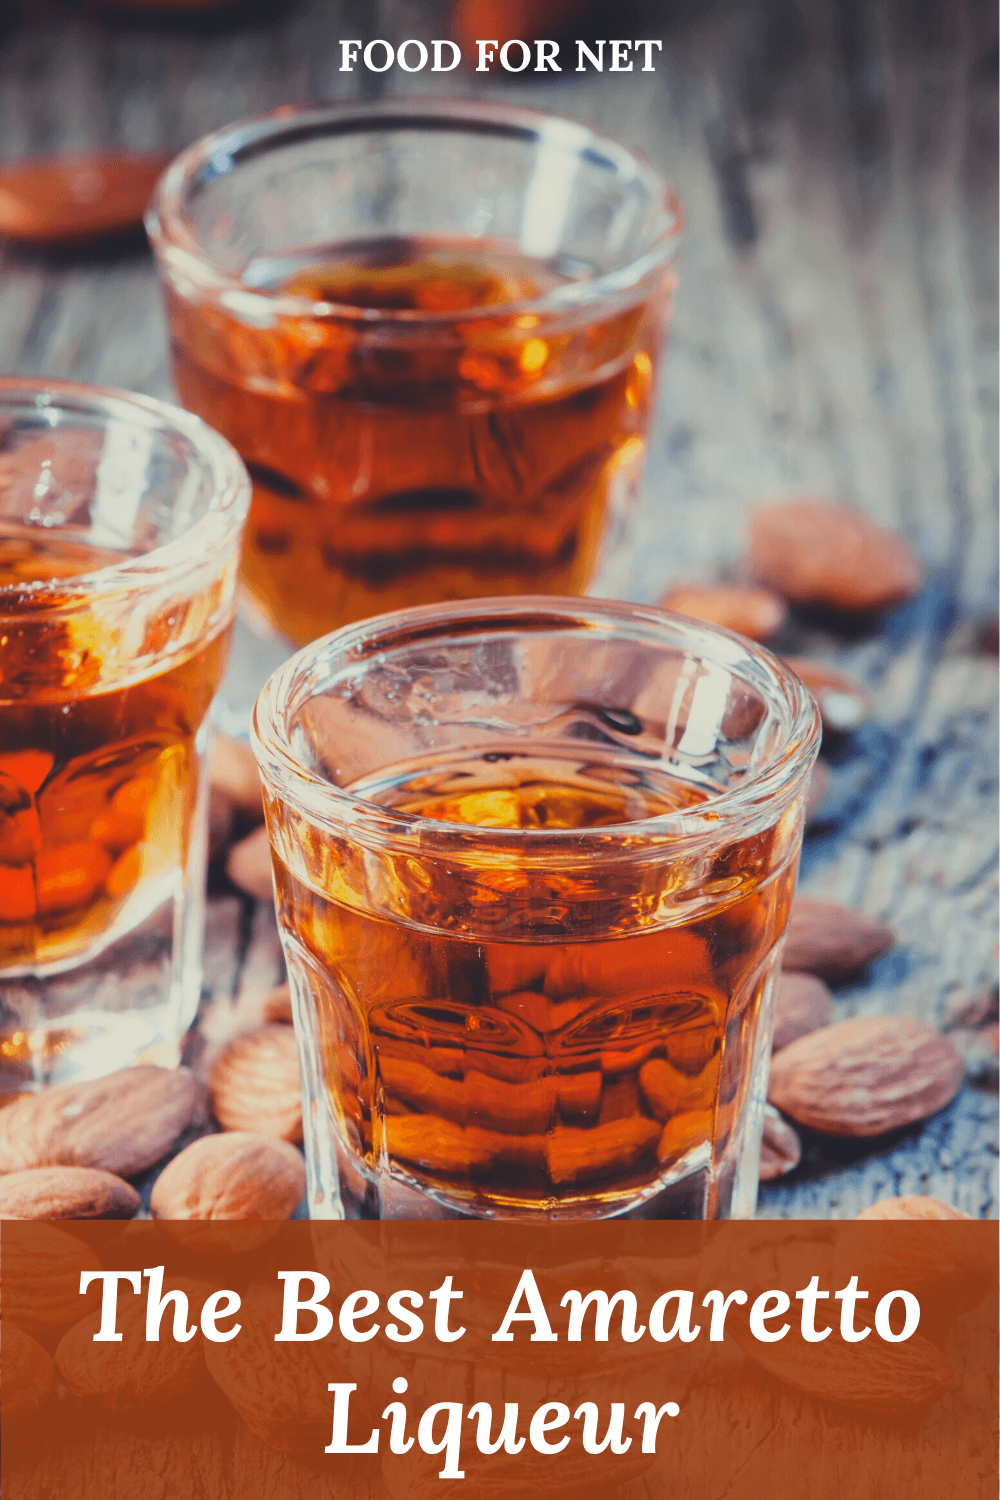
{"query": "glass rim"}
(172, 238)
(194, 548)
(720, 816)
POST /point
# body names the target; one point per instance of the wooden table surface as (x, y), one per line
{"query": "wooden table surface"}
(835, 333)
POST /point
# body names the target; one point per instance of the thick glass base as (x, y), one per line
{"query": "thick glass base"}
(703, 1184)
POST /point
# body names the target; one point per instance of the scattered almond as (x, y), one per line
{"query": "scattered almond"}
(885, 1254)
(278, 1005)
(62, 200)
(874, 1376)
(249, 866)
(865, 1077)
(132, 1373)
(978, 1049)
(254, 1083)
(66, 1193)
(821, 553)
(752, 612)
(802, 1004)
(911, 1208)
(967, 1008)
(780, 1149)
(122, 1123)
(232, 771)
(833, 941)
(41, 1278)
(239, 1175)
(221, 821)
(844, 703)
(279, 1389)
(28, 1374)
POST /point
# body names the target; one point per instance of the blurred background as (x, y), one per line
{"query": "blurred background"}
(835, 335)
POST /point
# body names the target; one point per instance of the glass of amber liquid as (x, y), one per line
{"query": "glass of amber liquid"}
(120, 524)
(432, 332)
(533, 863)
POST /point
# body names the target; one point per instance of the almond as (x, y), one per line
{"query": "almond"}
(866, 1076)
(62, 200)
(802, 1004)
(239, 1175)
(122, 1123)
(833, 941)
(249, 866)
(221, 820)
(781, 1149)
(66, 1193)
(278, 1005)
(280, 1390)
(254, 1083)
(844, 703)
(41, 1277)
(821, 553)
(876, 1247)
(232, 772)
(911, 1208)
(873, 1376)
(752, 612)
(28, 1374)
(966, 1008)
(132, 1373)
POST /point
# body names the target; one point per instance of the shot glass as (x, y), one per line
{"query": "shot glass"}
(533, 864)
(120, 526)
(431, 329)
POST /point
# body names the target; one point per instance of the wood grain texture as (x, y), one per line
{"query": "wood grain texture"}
(835, 334)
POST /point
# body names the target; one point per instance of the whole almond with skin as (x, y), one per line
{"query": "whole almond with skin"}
(28, 1374)
(221, 821)
(832, 941)
(844, 703)
(865, 1077)
(232, 771)
(753, 612)
(41, 1272)
(911, 1208)
(64, 200)
(968, 1009)
(280, 1390)
(278, 1005)
(249, 866)
(66, 1193)
(122, 1123)
(238, 1175)
(872, 1375)
(132, 1373)
(254, 1083)
(781, 1149)
(884, 1249)
(821, 553)
(802, 1004)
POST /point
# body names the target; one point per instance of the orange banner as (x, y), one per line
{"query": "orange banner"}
(410, 1359)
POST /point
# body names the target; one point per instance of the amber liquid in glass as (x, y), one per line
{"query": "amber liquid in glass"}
(97, 785)
(482, 457)
(599, 1066)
